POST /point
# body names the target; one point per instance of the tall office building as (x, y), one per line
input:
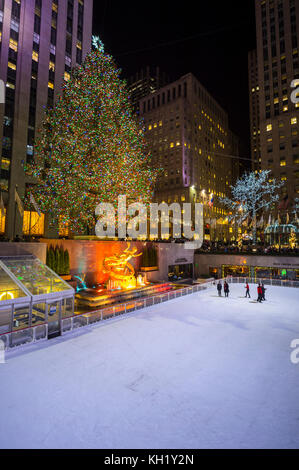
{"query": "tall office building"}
(145, 82)
(277, 25)
(41, 41)
(254, 108)
(189, 137)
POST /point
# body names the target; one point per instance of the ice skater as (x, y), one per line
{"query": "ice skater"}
(219, 288)
(263, 291)
(259, 293)
(226, 289)
(247, 290)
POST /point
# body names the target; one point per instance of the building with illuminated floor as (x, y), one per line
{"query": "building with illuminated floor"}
(41, 41)
(189, 137)
(274, 114)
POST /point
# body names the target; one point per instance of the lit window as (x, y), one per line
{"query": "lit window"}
(160, 123)
(150, 127)
(5, 164)
(35, 56)
(52, 66)
(285, 108)
(2, 221)
(63, 227)
(12, 66)
(294, 120)
(51, 85)
(33, 224)
(171, 145)
(269, 127)
(13, 45)
(67, 76)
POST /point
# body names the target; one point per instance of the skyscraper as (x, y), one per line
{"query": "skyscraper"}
(145, 82)
(189, 137)
(254, 107)
(277, 26)
(41, 41)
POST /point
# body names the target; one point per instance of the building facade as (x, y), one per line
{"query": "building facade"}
(189, 138)
(41, 41)
(254, 108)
(277, 26)
(145, 82)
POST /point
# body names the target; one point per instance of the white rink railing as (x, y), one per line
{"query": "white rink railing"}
(39, 333)
(266, 281)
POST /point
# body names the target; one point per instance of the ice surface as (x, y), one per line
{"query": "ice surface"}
(196, 372)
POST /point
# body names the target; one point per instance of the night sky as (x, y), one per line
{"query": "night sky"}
(211, 39)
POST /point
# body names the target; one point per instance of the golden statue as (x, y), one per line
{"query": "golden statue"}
(121, 272)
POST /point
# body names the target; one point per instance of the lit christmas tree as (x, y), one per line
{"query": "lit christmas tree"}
(91, 147)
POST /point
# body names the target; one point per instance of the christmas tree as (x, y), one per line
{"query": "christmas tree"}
(91, 147)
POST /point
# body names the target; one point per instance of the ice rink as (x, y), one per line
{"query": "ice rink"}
(196, 372)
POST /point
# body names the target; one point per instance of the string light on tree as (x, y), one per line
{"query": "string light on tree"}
(91, 147)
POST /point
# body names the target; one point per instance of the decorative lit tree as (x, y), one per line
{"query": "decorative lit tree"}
(293, 240)
(91, 147)
(296, 211)
(252, 194)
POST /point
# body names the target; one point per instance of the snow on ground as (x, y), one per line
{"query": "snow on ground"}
(196, 372)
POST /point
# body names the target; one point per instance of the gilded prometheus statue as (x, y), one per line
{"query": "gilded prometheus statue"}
(119, 268)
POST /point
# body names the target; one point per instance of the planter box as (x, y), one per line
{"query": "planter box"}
(150, 269)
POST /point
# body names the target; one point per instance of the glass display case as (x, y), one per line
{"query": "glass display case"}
(31, 294)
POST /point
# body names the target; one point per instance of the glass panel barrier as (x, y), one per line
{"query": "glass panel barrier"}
(20, 317)
(38, 313)
(5, 319)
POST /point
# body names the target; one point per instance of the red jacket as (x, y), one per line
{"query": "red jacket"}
(247, 286)
(259, 290)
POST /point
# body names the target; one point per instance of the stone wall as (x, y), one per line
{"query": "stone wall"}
(204, 261)
(16, 249)
(86, 257)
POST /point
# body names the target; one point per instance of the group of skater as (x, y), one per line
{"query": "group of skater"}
(225, 289)
(261, 290)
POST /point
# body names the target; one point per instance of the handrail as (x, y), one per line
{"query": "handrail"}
(83, 319)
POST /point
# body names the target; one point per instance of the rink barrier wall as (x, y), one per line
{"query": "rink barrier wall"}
(39, 333)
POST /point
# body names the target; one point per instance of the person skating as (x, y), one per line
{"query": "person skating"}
(247, 290)
(263, 291)
(259, 293)
(226, 289)
(219, 288)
